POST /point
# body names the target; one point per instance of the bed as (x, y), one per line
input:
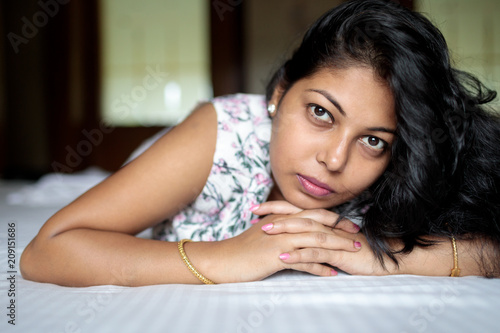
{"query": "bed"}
(285, 302)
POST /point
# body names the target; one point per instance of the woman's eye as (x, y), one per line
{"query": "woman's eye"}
(320, 113)
(373, 142)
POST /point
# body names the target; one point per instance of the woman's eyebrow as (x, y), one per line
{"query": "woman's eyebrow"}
(329, 97)
(382, 129)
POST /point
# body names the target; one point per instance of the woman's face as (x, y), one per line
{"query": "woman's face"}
(331, 137)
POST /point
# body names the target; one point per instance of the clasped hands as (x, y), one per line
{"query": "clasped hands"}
(287, 237)
(314, 242)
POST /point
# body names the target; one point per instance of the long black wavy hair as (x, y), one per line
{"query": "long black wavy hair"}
(444, 175)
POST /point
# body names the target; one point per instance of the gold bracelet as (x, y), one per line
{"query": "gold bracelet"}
(193, 270)
(455, 271)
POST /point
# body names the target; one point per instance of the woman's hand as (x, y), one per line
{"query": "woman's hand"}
(257, 253)
(333, 249)
(323, 216)
(261, 250)
(362, 261)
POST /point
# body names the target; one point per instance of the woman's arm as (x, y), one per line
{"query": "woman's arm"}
(476, 256)
(91, 241)
(435, 260)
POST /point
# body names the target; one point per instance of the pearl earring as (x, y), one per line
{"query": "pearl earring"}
(271, 108)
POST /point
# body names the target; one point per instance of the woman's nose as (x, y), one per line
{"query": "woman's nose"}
(334, 155)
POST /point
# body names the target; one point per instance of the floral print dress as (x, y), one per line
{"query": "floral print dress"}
(240, 175)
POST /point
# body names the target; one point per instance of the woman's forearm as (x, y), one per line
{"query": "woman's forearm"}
(84, 257)
(475, 257)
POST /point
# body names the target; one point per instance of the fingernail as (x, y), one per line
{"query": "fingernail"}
(254, 221)
(284, 256)
(267, 227)
(357, 245)
(357, 227)
(333, 272)
(254, 207)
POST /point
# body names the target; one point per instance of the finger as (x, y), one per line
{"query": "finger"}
(348, 226)
(323, 240)
(322, 216)
(313, 268)
(275, 207)
(330, 218)
(294, 225)
(311, 256)
(362, 264)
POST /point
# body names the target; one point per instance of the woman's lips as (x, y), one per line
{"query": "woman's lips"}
(314, 187)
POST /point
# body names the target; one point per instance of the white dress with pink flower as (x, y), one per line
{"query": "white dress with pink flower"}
(240, 176)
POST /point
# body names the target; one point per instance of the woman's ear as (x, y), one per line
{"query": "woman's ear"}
(272, 106)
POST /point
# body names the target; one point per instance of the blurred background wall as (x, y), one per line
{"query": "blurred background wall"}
(67, 65)
(472, 31)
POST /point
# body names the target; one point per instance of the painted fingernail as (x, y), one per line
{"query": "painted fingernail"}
(357, 245)
(267, 227)
(254, 221)
(254, 207)
(356, 227)
(284, 256)
(333, 272)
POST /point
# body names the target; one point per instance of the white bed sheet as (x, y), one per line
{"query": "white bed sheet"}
(286, 302)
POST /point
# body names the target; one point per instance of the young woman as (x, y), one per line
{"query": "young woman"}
(367, 120)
